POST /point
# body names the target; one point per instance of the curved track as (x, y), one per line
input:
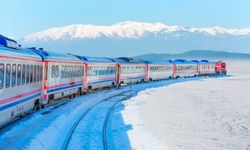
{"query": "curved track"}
(104, 130)
(76, 123)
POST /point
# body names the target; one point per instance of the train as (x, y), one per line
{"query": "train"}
(32, 78)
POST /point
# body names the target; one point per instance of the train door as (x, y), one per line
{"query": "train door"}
(118, 74)
(85, 77)
(45, 83)
(174, 71)
(147, 73)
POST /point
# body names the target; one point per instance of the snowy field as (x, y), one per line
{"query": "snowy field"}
(206, 114)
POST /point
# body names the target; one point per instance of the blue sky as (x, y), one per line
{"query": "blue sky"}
(22, 17)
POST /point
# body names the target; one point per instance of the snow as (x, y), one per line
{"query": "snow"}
(128, 29)
(207, 114)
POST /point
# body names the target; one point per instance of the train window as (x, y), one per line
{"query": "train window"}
(23, 74)
(18, 74)
(92, 71)
(38, 73)
(41, 73)
(8, 70)
(52, 71)
(89, 71)
(72, 71)
(69, 71)
(81, 71)
(57, 71)
(66, 71)
(62, 72)
(1, 75)
(77, 74)
(77, 71)
(35, 73)
(28, 74)
(13, 82)
(31, 73)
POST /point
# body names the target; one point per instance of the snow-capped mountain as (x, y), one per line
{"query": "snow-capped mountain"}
(125, 30)
(133, 38)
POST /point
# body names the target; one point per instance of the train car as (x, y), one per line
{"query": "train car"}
(20, 80)
(184, 68)
(159, 70)
(101, 72)
(131, 70)
(206, 68)
(63, 75)
(220, 68)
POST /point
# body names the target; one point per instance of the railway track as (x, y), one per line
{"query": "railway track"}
(120, 97)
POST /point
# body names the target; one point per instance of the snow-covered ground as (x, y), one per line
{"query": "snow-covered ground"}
(206, 114)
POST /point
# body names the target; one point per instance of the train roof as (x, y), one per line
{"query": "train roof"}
(206, 62)
(202, 62)
(11, 47)
(19, 51)
(159, 62)
(183, 61)
(127, 60)
(95, 59)
(7, 42)
(51, 55)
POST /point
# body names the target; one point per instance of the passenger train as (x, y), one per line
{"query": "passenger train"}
(32, 78)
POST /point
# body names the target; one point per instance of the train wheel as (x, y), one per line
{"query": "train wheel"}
(36, 105)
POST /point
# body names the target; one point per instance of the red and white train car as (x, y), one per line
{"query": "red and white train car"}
(63, 75)
(131, 70)
(184, 68)
(206, 68)
(100, 72)
(160, 70)
(20, 80)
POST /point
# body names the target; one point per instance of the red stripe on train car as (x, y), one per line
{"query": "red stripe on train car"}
(59, 85)
(7, 100)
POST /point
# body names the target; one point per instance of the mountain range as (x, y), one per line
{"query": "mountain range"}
(137, 38)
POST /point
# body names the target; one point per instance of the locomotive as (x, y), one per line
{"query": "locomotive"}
(32, 78)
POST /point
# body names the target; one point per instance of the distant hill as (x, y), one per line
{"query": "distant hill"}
(197, 54)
